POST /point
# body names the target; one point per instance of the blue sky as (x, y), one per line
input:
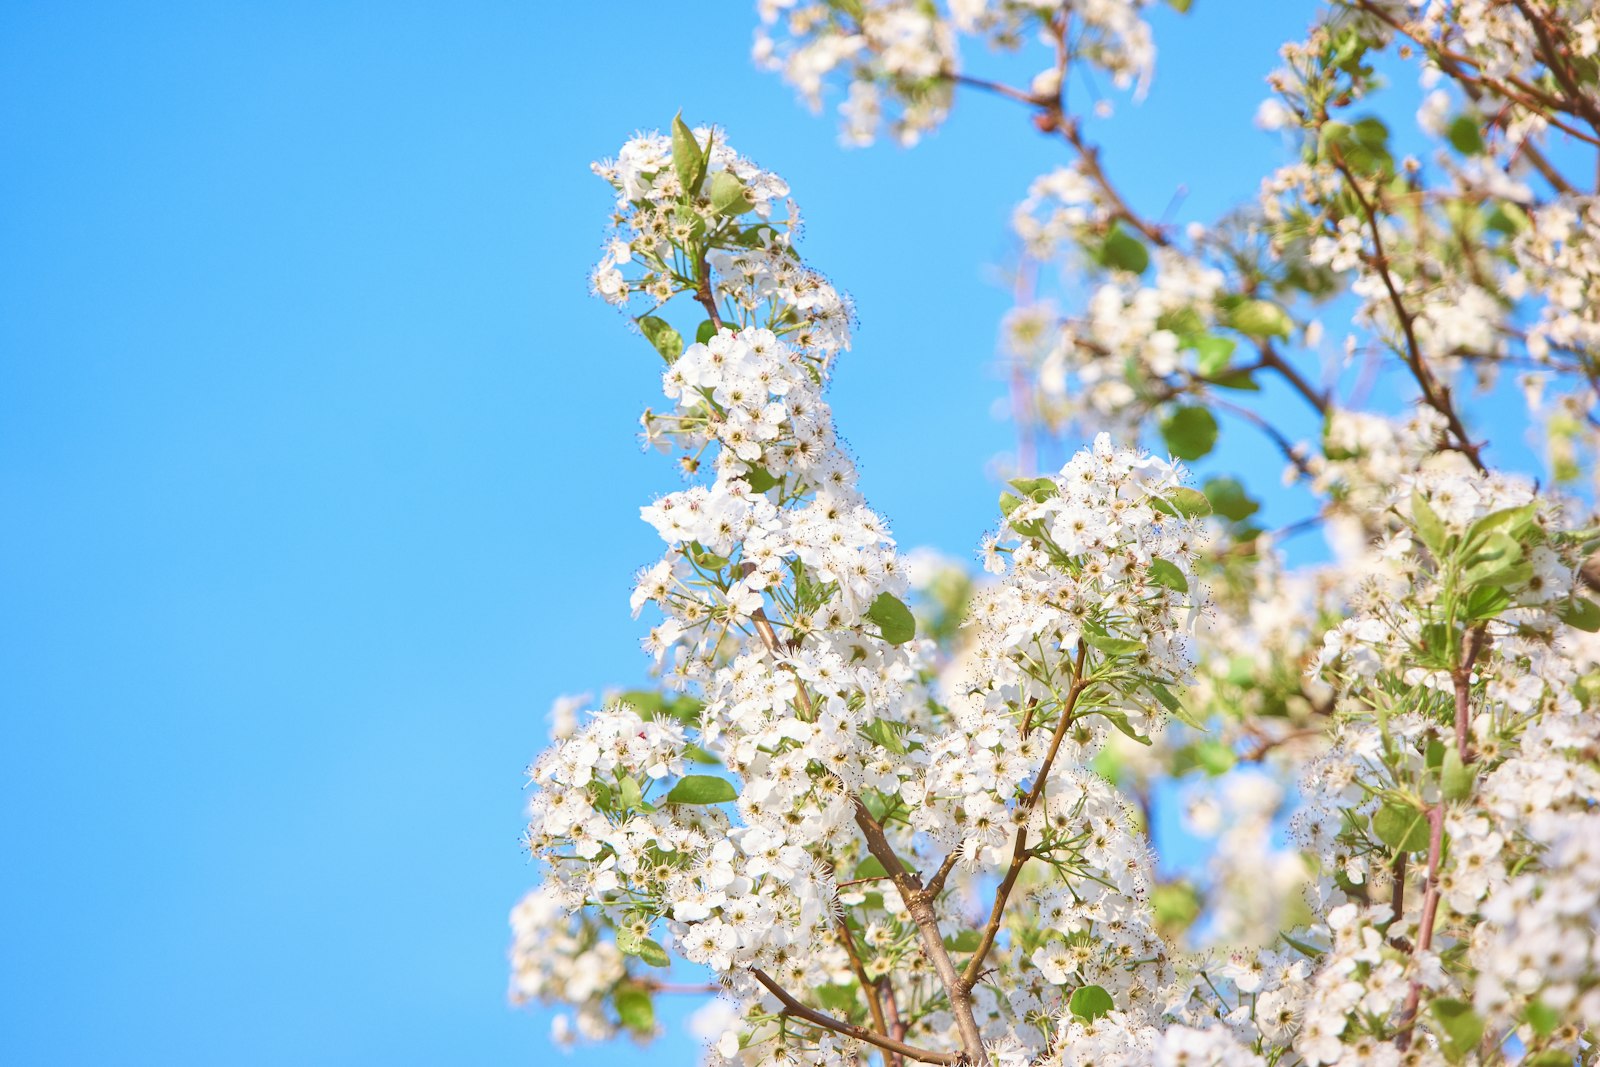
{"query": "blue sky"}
(320, 477)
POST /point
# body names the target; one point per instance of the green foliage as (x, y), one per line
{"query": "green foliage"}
(1401, 825)
(1190, 432)
(702, 789)
(894, 619)
(635, 1009)
(662, 337)
(1090, 1002)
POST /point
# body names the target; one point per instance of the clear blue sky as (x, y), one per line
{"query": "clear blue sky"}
(319, 474)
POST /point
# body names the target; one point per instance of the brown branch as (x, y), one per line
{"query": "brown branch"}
(1462, 677)
(1019, 850)
(793, 1007)
(1270, 358)
(920, 904)
(702, 292)
(870, 991)
(1430, 908)
(1437, 396)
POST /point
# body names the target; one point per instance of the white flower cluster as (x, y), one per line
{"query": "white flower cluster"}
(731, 221)
(900, 60)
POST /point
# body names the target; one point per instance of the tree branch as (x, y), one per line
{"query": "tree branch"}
(793, 1007)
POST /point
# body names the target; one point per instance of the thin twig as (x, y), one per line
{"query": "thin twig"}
(793, 1007)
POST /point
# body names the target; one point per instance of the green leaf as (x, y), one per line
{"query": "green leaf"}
(1089, 1002)
(1123, 251)
(662, 337)
(1229, 499)
(635, 1009)
(1580, 612)
(1035, 489)
(699, 755)
(1180, 6)
(1164, 572)
(1213, 354)
(894, 619)
(1542, 1017)
(1119, 719)
(1242, 380)
(631, 944)
(702, 789)
(1456, 779)
(1175, 706)
(1401, 826)
(1466, 135)
(1461, 1025)
(705, 558)
(760, 479)
(1189, 503)
(1190, 432)
(1487, 601)
(1510, 521)
(1429, 526)
(885, 735)
(1009, 502)
(871, 867)
(628, 792)
(1308, 950)
(1261, 319)
(705, 332)
(687, 158)
(729, 195)
(1111, 646)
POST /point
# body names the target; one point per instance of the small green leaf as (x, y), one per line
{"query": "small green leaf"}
(632, 944)
(1242, 380)
(760, 479)
(885, 735)
(1456, 779)
(894, 619)
(1180, 6)
(1089, 1002)
(702, 789)
(1213, 354)
(1175, 706)
(729, 195)
(1119, 719)
(635, 1009)
(1009, 502)
(1111, 646)
(699, 755)
(1164, 572)
(1035, 489)
(705, 558)
(705, 332)
(1429, 526)
(662, 337)
(1261, 319)
(1190, 432)
(1229, 499)
(628, 792)
(1123, 251)
(1580, 612)
(1510, 521)
(1466, 135)
(871, 867)
(1189, 503)
(1544, 1019)
(1461, 1025)
(687, 158)
(1403, 827)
